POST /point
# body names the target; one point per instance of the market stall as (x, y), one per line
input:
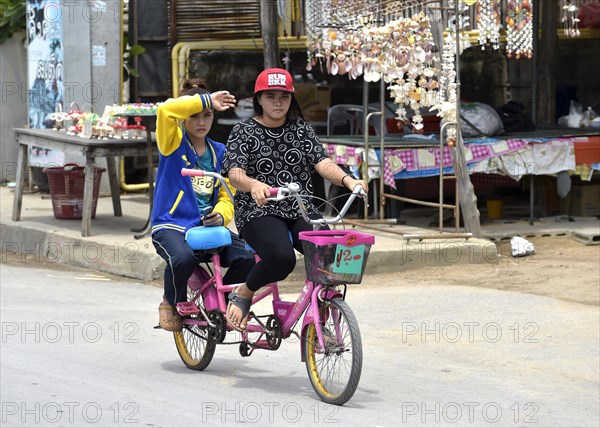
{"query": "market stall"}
(85, 133)
(411, 49)
(541, 152)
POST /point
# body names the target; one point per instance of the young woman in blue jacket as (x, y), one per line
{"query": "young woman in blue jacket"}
(181, 127)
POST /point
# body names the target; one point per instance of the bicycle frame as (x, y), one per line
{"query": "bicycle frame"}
(329, 335)
(288, 313)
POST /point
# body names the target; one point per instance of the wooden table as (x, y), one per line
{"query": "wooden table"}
(91, 149)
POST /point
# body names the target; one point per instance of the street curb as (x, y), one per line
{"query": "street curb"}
(129, 259)
(138, 259)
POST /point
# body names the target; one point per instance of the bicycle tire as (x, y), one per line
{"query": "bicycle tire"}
(335, 373)
(195, 346)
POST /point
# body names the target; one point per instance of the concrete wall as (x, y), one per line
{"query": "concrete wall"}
(13, 100)
(92, 61)
(89, 80)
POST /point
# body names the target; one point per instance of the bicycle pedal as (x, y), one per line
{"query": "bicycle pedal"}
(187, 308)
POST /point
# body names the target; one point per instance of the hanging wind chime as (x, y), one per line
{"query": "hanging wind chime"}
(519, 29)
(569, 18)
(488, 23)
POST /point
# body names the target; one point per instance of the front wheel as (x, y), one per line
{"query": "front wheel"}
(335, 371)
(196, 346)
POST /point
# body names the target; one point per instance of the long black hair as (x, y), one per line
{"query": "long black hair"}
(293, 113)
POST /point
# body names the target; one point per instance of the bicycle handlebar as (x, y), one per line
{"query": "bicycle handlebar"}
(280, 193)
(201, 173)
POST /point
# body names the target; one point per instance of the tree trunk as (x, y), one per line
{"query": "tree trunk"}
(466, 193)
(268, 24)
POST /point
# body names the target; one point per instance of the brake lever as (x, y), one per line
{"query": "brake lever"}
(280, 193)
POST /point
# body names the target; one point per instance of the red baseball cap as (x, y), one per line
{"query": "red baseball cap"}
(274, 79)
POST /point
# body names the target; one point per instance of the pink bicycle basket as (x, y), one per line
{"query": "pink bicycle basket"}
(333, 257)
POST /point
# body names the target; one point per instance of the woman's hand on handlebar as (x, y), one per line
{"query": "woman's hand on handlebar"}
(352, 182)
(260, 192)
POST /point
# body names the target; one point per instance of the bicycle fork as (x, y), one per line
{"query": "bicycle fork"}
(313, 316)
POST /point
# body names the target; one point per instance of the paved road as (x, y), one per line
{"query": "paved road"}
(78, 350)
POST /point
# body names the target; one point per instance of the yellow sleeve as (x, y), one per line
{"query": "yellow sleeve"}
(168, 133)
(224, 204)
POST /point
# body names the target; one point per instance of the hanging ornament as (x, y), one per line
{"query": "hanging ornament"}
(459, 23)
(569, 18)
(519, 29)
(488, 23)
(410, 64)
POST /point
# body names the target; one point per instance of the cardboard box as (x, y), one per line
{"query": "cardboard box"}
(314, 100)
(587, 150)
(584, 200)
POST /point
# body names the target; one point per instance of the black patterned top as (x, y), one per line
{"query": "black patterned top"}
(275, 156)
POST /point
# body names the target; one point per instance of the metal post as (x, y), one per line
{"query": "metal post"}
(365, 167)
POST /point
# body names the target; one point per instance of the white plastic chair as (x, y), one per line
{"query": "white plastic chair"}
(348, 115)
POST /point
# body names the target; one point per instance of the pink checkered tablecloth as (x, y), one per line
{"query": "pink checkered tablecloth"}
(344, 155)
(415, 159)
(429, 158)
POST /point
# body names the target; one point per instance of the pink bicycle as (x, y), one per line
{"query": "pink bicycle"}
(329, 335)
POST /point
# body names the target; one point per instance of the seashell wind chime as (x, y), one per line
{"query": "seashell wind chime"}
(375, 43)
(519, 29)
(488, 23)
(570, 19)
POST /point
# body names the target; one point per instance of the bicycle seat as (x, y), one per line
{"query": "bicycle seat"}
(208, 238)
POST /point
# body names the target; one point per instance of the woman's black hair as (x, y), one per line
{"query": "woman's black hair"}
(293, 113)
(193, 86)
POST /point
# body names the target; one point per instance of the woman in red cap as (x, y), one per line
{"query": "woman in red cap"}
(275, 147)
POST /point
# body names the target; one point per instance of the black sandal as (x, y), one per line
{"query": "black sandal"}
(241, 302)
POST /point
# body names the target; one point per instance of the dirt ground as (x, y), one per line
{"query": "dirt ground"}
(561, 268)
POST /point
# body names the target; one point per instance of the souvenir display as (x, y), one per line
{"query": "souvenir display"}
(112, 124)
(569, 18)
(464, 22)
(393, 41)
(59, 117)
(519, 29)
(135, 109)
(488, 23)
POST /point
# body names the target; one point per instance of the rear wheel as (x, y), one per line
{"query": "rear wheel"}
(195, 345)
(335, 371)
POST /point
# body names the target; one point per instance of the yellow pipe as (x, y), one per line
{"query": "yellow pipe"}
(586, 33)
(240, 44)
(129, 187)
(180, 52)
(174, 57)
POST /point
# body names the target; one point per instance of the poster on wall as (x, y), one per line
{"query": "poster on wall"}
(45, 80)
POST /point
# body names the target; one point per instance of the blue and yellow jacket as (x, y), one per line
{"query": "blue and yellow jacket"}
(175, 206)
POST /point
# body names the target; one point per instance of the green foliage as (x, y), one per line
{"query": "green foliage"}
(12, 18)
(128, 53)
